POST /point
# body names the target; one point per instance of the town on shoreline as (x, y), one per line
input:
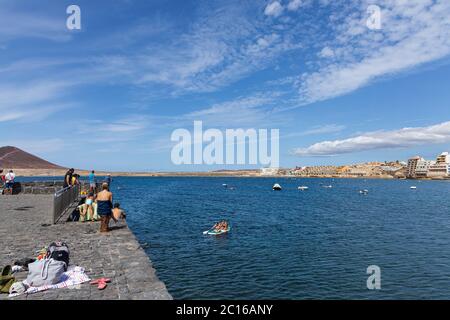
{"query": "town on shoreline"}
(27, 165)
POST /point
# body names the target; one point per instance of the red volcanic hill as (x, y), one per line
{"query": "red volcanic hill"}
(14, 158)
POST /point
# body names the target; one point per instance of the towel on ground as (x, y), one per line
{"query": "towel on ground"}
(72, 277)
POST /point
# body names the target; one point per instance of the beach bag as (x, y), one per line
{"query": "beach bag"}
(45, 272)
(75, 215)
(59, 251)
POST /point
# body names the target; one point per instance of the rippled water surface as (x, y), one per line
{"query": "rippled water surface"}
(293, 244)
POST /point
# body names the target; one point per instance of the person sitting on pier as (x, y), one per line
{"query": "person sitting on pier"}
(87, 211)
(104, 207)
(118, 213)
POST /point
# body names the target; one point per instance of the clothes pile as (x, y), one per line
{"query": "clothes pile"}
(50, 270)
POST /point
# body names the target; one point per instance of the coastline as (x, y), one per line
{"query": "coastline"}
(218, 174)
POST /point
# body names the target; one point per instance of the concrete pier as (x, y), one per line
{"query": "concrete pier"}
(116, 255)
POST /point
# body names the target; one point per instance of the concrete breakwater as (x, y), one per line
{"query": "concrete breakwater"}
(42, 187)
(116, 255)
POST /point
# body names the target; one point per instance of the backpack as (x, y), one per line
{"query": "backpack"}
(59, 251)
(45, 272)
(75, 215)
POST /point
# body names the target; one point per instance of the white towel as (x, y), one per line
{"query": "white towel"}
(72, 277)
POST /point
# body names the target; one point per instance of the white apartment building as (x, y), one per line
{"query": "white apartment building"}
(441, 168)
(422, 168)
(269, 171)
(412, 166)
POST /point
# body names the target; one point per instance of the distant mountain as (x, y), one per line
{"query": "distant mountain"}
(14, 158)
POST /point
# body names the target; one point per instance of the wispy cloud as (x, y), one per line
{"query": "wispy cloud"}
(16, 24)
(406, 137)
(294, 5)
(247, 111)
(323, 129)
(227, 43)
(128, 128)
(34, 100)
(38, 146)
(413, 33)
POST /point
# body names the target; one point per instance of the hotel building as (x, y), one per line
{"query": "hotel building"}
(441, 168)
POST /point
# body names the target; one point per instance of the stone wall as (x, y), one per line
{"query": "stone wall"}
(38, 187)
(44, 187)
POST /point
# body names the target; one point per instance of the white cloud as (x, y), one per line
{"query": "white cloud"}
(16, 24)
(129, 125)
(226, 45)
(413, 33)
(31, 101)
(274, 9)
(122, 127)
(294, 5)
(328, 128)
(317, 130)
(37, 147)
(326, 52)
(243, 111)
(406, 137)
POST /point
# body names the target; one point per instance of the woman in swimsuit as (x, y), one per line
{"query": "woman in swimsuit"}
(104, 207)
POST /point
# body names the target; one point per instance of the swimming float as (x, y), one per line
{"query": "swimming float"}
(213, 232)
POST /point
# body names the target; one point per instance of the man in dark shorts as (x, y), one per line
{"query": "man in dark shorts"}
(9, 182)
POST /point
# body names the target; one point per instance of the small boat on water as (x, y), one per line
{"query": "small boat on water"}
(329, 187)
(365, 191)
(224, 185)
(276, 187)
(413, 188)
(303, 188)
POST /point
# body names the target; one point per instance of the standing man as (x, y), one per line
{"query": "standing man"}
(9, 179)
(68, 178)
(92, 185)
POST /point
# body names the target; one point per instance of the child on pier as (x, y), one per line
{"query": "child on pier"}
(118, 213)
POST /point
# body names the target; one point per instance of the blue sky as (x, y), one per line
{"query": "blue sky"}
(109, 96)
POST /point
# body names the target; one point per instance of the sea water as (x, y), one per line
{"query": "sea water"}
(292, 244)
